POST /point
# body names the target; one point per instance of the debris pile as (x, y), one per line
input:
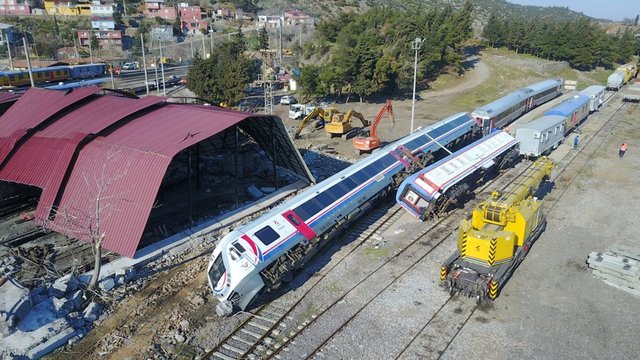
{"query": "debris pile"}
(618, 267)
(323, 163)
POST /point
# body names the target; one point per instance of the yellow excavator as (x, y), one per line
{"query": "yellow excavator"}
(325, 114)
(498, 236)
(341, 123)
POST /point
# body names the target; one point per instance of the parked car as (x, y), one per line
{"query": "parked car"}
(288, 100)
(129, 66)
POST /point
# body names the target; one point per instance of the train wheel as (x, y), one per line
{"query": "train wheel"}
(287, 277)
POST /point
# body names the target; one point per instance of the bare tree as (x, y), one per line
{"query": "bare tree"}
(85, 219)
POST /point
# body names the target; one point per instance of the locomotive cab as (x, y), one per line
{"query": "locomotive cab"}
(237, 256)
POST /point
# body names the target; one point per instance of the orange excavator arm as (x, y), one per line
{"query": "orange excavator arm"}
(374, 124)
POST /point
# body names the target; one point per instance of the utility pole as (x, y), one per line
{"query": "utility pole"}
(113, 83)
(90, 50)
(144, 63)
(9, 51)
(211, 35)
(204, 50)
(164, 90)
(124, 7)
(415, 45)
(280, 48)
(26, 52)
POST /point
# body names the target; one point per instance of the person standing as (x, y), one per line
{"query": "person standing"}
(623, 149)
(576, 140)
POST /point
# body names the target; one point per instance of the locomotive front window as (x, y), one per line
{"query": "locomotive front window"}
(217, 270)
(267, 235)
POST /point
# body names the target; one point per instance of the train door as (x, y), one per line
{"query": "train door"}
(530, 103)
(574, 118)
(487, 126)
(300, 225)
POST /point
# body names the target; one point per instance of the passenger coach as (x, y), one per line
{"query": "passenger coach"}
(503, 111)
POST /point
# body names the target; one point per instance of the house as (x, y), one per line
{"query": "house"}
(191, 19)
(102, 8)
(8, 33)
(66, 7)
(14, 7)
(102, 23)
(156, 8)
(295, 17)
(106, 38)
(224, 14)
(270, 20)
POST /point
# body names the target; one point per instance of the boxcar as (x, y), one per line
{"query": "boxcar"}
(541, 135)
(596, 96)
(573, 110)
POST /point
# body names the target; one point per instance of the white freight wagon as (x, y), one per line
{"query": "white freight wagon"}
(595, 93)
(542, 135)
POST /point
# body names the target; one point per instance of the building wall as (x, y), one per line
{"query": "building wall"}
(13, 7)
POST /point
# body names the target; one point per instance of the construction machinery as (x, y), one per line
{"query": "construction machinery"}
(323, 113)
(497, 238)
(367, 138)
(341, 123)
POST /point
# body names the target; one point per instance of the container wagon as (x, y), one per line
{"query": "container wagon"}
(632, 93)
(596, 96)
(541, 135)
(573, 110)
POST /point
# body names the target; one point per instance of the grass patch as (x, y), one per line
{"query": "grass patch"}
(445, 81)
(378, 253)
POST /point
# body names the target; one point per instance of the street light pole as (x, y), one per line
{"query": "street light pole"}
(26, 52)
(415, 45)
(164, 89)
(144, 64)
(90, 50)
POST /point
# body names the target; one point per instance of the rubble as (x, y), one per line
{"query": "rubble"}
(14, 302)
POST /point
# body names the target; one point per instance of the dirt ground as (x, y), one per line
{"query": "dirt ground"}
(175, 310)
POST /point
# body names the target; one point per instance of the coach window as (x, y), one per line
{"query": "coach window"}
(239, 247)
(293, 220)
(267, 235)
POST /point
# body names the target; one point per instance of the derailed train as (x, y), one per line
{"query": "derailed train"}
(447, 182)
(262, 254)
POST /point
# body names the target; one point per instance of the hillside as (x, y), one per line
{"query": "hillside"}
(329, 8)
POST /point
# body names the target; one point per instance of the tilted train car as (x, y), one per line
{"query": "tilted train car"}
(541, 135)
(596, 96)
(503, 111)
(574, 110)
(447, 182)
(260, 255)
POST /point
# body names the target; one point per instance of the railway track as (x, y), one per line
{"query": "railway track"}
(250, 338)
(261, 335)
(440, 323)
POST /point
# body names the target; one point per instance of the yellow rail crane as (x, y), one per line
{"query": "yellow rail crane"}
(498, 236)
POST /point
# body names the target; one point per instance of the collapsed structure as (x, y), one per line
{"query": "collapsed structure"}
(101, 159)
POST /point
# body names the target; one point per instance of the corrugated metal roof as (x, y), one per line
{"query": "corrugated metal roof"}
(43, 159)
(42, 143)
(31, 110)
(133, 159)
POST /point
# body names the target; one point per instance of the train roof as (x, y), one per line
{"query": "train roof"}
(501, 104)
(77, 84)
(544, 85)
(447, 171)
(568, 106)
(411, 142)
(593, 90)
(543, 123)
